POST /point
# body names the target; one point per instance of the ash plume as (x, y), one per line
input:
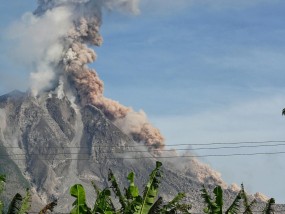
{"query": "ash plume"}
(67, 54)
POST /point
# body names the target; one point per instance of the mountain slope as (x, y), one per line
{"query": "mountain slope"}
(53, 143)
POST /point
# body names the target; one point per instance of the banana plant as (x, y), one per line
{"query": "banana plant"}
(20, 205)
(247, 206)
(215, 206)
(235, 206)
(103, 203)
(79, 205)
(174, 206)
(151, 190)
(131, 201)
(116, 189)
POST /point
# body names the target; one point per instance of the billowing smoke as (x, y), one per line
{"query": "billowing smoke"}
(61, 31)
(137, 125)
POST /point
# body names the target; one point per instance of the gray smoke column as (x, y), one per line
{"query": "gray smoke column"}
(84, 21)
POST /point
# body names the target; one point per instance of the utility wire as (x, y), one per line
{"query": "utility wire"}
(169, 145)
(169, 157)
(145, 151)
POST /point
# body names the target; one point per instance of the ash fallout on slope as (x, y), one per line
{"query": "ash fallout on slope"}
(62, 31)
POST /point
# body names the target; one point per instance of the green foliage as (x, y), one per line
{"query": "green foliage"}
(174, 206)
(269, 206)
(20, 205)
(15, 205)
(211, 205)
(148, 203)
(103, 203)
(133, 190)
(151, 190)
(79, 205)
(134, 200)
(234, 208)
(216, 206)
(219, 199)
(131, 202)
(26, 203)
(156, 207)
(116, 189)
(246, 203)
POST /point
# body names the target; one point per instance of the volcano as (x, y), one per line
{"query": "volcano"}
(49, 143)
(64, 131)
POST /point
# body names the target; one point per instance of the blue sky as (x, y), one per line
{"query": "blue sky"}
(204, 71)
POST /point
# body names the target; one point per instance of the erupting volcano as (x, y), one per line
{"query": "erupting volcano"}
(64, 131)
(65, 61)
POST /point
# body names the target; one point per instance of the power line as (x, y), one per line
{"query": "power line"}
(169, 145)
(208, 148)
(209, 155)
(144, 151)
(169, 157)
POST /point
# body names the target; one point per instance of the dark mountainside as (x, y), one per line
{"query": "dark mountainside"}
(49, 143)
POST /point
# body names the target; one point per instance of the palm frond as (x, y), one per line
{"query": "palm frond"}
(183, 208)
(116, 189)
(151, 189)
(211, 206)
(156, 207)
(103, 203)
(247, 206)
(172, 204)
(218, 192)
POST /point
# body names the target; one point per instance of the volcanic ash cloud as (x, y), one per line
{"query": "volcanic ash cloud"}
(59, 34)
